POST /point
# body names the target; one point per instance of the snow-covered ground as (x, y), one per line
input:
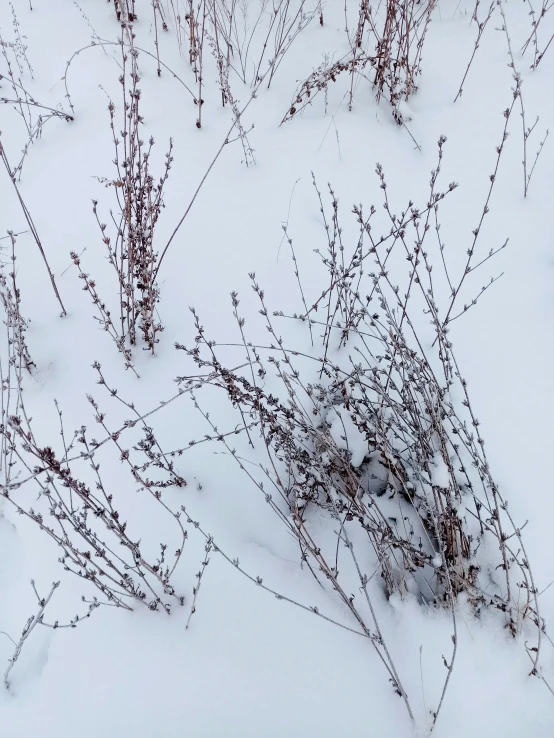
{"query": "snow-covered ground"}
(250, 665)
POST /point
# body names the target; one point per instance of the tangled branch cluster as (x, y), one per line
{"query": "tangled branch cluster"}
(390, 43)
(374, 428)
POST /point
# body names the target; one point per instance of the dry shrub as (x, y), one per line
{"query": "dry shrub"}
(389, 40)
(131, 249)
(79, 509)
(375, 431)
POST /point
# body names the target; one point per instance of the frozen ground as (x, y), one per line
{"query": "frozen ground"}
(250, 666)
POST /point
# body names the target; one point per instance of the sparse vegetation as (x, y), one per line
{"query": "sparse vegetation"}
(349, 415)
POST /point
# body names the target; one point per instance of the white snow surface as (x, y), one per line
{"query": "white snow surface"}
(346, 435)
(249, 665)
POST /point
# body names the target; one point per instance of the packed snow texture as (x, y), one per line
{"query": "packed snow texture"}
(250, 665)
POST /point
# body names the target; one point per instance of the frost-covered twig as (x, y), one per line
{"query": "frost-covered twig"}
(31, 225)
(481, 25)
(32, 622)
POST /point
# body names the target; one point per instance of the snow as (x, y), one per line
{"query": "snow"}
(251, 665)
(347, 436)
(439, 472)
